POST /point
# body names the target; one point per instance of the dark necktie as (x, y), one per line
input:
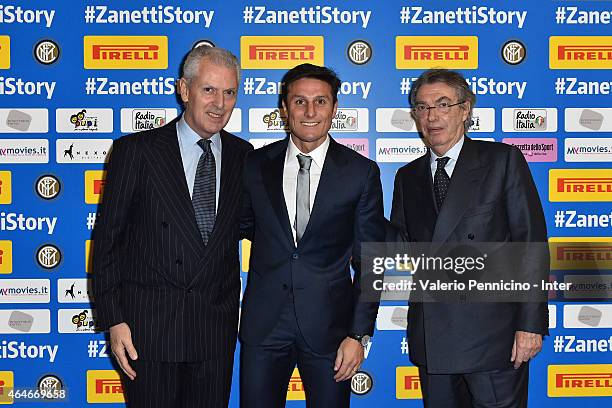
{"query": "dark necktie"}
(204, 186)
(441, 181)
(302, 196)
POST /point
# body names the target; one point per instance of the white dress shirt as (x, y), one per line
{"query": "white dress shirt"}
(290, 173)
(191, 152)
(452, 154)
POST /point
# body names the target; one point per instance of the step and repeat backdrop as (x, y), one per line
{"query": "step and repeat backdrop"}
(76, 75)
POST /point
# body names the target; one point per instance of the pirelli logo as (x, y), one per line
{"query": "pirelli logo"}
(295, 391)
(580, 185)
(104, 386)
(584, 253)
(5, 52)
(407, 383)
(94, 186)
(436, 52)
(6, 384)
(125, 52)
(581, 380)
(587, 52)
(277, 52)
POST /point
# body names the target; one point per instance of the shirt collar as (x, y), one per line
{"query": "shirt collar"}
(318, 154)
(188, 138)
(453, 153)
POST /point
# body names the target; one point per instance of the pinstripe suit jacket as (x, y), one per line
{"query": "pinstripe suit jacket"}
(150, 266)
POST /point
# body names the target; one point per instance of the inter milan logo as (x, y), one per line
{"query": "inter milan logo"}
(48, 187)
(361, 383)
(46, 52)
(48, 256)
(513, 52)
(359, 52)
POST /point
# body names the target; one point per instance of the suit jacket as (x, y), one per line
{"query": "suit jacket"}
(491, 198)
(347, 211)
(151, 268)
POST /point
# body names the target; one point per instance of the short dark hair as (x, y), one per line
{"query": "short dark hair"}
(451, 78)
(310, 71)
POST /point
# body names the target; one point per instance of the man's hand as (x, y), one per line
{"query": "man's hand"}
(348, 359)
(121, 342)
(526, 346)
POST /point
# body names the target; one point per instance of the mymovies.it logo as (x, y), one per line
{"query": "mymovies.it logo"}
(139, 119)
(399, 150)
(588, 150)
(588, 119)
(529, 119)
(25, 291)
(82, 150)
(22, 151)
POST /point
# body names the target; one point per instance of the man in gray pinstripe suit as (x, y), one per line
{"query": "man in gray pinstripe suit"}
(166, 278)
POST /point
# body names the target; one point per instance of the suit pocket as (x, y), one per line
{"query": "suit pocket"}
(480, 210)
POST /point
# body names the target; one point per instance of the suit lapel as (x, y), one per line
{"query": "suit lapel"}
(466, 175)
(172, 183)
(272, 174)
(426, 203)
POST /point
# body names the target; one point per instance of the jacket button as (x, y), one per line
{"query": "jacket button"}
(285, 286)
(164, 224)
(179, 262)
(295, 256)
(470, 236)
(189, 290)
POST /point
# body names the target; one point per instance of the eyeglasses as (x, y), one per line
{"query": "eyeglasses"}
(443, 107)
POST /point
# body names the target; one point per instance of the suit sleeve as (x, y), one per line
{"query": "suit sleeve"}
(527, 225)
(398, 228)
(109, 234)
(369, 227)
(247, 216)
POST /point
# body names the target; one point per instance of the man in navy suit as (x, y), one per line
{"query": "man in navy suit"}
(309, 205)
(467, 191)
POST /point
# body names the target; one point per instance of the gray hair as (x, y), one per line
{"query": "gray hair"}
(218, 56)
(451, 78)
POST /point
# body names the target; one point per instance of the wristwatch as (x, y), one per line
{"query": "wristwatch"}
(363, 339)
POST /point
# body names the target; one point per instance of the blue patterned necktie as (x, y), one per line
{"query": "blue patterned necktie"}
(204, 195)
(441, 181)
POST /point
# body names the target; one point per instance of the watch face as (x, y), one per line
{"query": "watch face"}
(365, 340)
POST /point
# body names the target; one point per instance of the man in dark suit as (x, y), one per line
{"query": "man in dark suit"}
(166, 277)
(309, 205)
(465, 191)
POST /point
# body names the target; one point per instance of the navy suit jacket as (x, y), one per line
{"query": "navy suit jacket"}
(347, 211)
(491, 198)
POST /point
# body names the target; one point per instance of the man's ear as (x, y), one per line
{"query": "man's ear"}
(183, 90)
(335, 107)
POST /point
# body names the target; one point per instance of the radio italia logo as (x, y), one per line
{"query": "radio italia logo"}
(581, 380)
(580, 185)
(587, 52)
(459, 52)
(125, 52)
(276, 52)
